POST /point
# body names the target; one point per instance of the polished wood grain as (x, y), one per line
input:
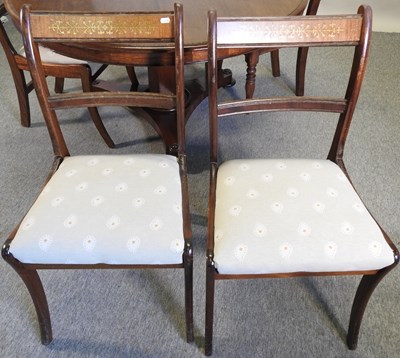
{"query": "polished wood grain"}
(259, 32)
(195, 20)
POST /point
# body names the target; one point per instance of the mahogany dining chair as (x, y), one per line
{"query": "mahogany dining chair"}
(126, 211)
(289, 217)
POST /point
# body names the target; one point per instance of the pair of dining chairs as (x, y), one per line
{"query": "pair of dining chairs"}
(268, 218)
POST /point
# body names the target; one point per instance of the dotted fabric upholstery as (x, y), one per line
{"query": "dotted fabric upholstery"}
(123, 209)
(278, 216)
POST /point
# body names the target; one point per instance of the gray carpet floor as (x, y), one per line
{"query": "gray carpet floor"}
(111, 313)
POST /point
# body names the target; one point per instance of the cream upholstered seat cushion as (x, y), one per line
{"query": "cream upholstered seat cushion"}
(279, 216)
(106, 209)
(49, 56)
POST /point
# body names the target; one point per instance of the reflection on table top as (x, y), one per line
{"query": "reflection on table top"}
(195, 11)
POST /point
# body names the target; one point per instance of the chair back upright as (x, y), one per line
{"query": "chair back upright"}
(8, 47)
(163, 29)
(288, 32)
(17, 65)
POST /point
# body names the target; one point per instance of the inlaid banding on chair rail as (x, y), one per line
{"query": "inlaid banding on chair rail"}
(302, 28)
(100, 26)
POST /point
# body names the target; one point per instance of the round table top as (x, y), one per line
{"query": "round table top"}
(194, 11)
(194, 18)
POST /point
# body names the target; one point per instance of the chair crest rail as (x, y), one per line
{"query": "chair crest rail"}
(309, 30)
(119, 27)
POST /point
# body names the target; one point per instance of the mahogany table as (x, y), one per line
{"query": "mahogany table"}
(159, 61)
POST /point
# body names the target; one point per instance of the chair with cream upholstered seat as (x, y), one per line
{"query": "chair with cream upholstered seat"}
(106, 211)
(287, 217)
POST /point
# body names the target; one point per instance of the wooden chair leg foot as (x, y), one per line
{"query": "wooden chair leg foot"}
(24, 109)
(301, 70)
(34, 285)
(189, 295)
(133, 78)
(35, 288)
(252, 59)
(210, 288)
(23, 99)
(275, 64)
(59, 85)
(100, 127)
(364, 291)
